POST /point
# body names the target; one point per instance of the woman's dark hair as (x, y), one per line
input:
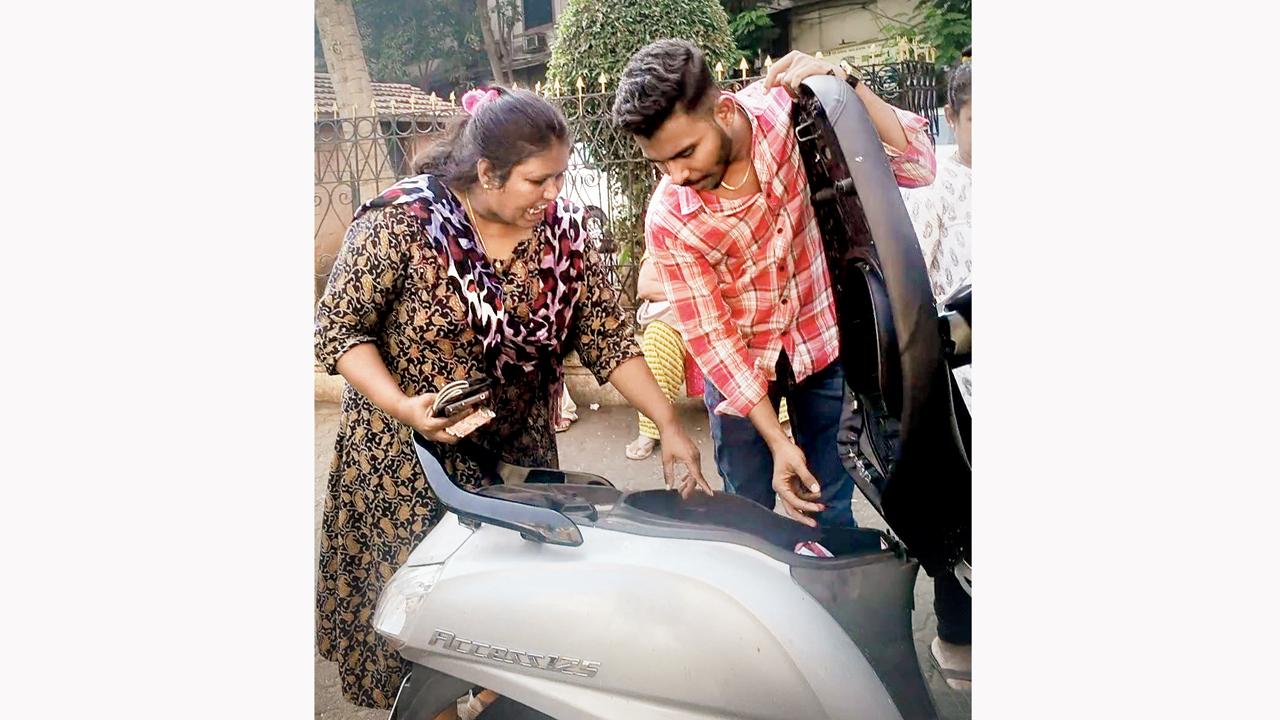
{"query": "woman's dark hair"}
(662, 76)
(505, 131)
(959, 91)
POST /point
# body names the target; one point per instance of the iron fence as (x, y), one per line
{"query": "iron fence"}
(358, 157)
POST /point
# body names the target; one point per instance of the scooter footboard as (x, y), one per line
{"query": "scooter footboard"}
(872, 599)
(425, 692)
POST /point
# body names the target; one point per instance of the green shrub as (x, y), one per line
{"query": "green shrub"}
(599, 36)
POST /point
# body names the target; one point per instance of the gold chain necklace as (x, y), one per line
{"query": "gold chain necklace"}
(466, 198)
(745, 175)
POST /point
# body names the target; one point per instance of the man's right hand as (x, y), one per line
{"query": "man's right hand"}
(793, 482)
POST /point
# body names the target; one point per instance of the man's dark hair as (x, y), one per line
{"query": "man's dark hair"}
(959, 86)
(662, 77)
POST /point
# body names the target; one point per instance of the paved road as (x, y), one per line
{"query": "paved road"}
(595, 443)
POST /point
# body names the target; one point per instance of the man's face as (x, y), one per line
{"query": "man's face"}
(693, 148)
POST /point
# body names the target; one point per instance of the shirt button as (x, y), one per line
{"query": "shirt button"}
(784, 301)
(779, 229)
(782, 267)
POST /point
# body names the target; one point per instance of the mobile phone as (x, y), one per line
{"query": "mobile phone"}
(460, 395)
(454, 408)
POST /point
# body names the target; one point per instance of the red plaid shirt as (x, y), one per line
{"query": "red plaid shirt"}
(746, 277)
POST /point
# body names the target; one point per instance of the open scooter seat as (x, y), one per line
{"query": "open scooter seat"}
(734, 519)
(722, 510)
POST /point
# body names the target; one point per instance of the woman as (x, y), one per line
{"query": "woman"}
(471, 267)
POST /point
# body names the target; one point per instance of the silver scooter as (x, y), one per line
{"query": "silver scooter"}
(573, 600)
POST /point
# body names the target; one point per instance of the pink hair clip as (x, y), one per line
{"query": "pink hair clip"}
(473, 99)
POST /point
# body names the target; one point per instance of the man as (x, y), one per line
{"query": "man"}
(734, 238)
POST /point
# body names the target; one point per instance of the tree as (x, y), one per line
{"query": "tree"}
(428, 44)
(353, 92)
(498, 39)
(344, 56)
(436, 45)
(752, 27)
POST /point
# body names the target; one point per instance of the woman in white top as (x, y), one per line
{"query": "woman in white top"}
(942, 212)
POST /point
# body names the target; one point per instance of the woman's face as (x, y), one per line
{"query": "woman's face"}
(532, 185)
(962, 125)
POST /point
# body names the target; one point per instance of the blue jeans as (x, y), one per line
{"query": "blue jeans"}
(744, 460)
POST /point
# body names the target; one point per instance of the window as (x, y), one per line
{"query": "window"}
(537, 12)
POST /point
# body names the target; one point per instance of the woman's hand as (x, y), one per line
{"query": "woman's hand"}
(416, 413)
(678, 447)
(633, 379)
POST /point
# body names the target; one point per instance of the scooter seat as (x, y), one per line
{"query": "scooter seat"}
(723, 511)
(734, 519)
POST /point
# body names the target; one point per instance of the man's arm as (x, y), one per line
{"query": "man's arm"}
(903, 134)
(882, 115)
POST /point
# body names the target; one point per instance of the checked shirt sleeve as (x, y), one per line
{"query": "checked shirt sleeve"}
(914, 167)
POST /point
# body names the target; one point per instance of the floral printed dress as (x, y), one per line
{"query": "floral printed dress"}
(389, 288)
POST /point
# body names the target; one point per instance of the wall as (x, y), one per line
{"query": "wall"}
(830, 25)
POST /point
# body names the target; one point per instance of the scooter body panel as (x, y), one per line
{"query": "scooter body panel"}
(632, 626)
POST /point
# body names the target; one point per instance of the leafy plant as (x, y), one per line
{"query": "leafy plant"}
(753, 32)
(944, 24)
(599, 36)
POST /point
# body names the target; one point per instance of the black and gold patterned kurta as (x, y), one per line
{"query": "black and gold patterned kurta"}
(388, 287)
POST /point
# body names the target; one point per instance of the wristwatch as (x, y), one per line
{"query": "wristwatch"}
(849, 76)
